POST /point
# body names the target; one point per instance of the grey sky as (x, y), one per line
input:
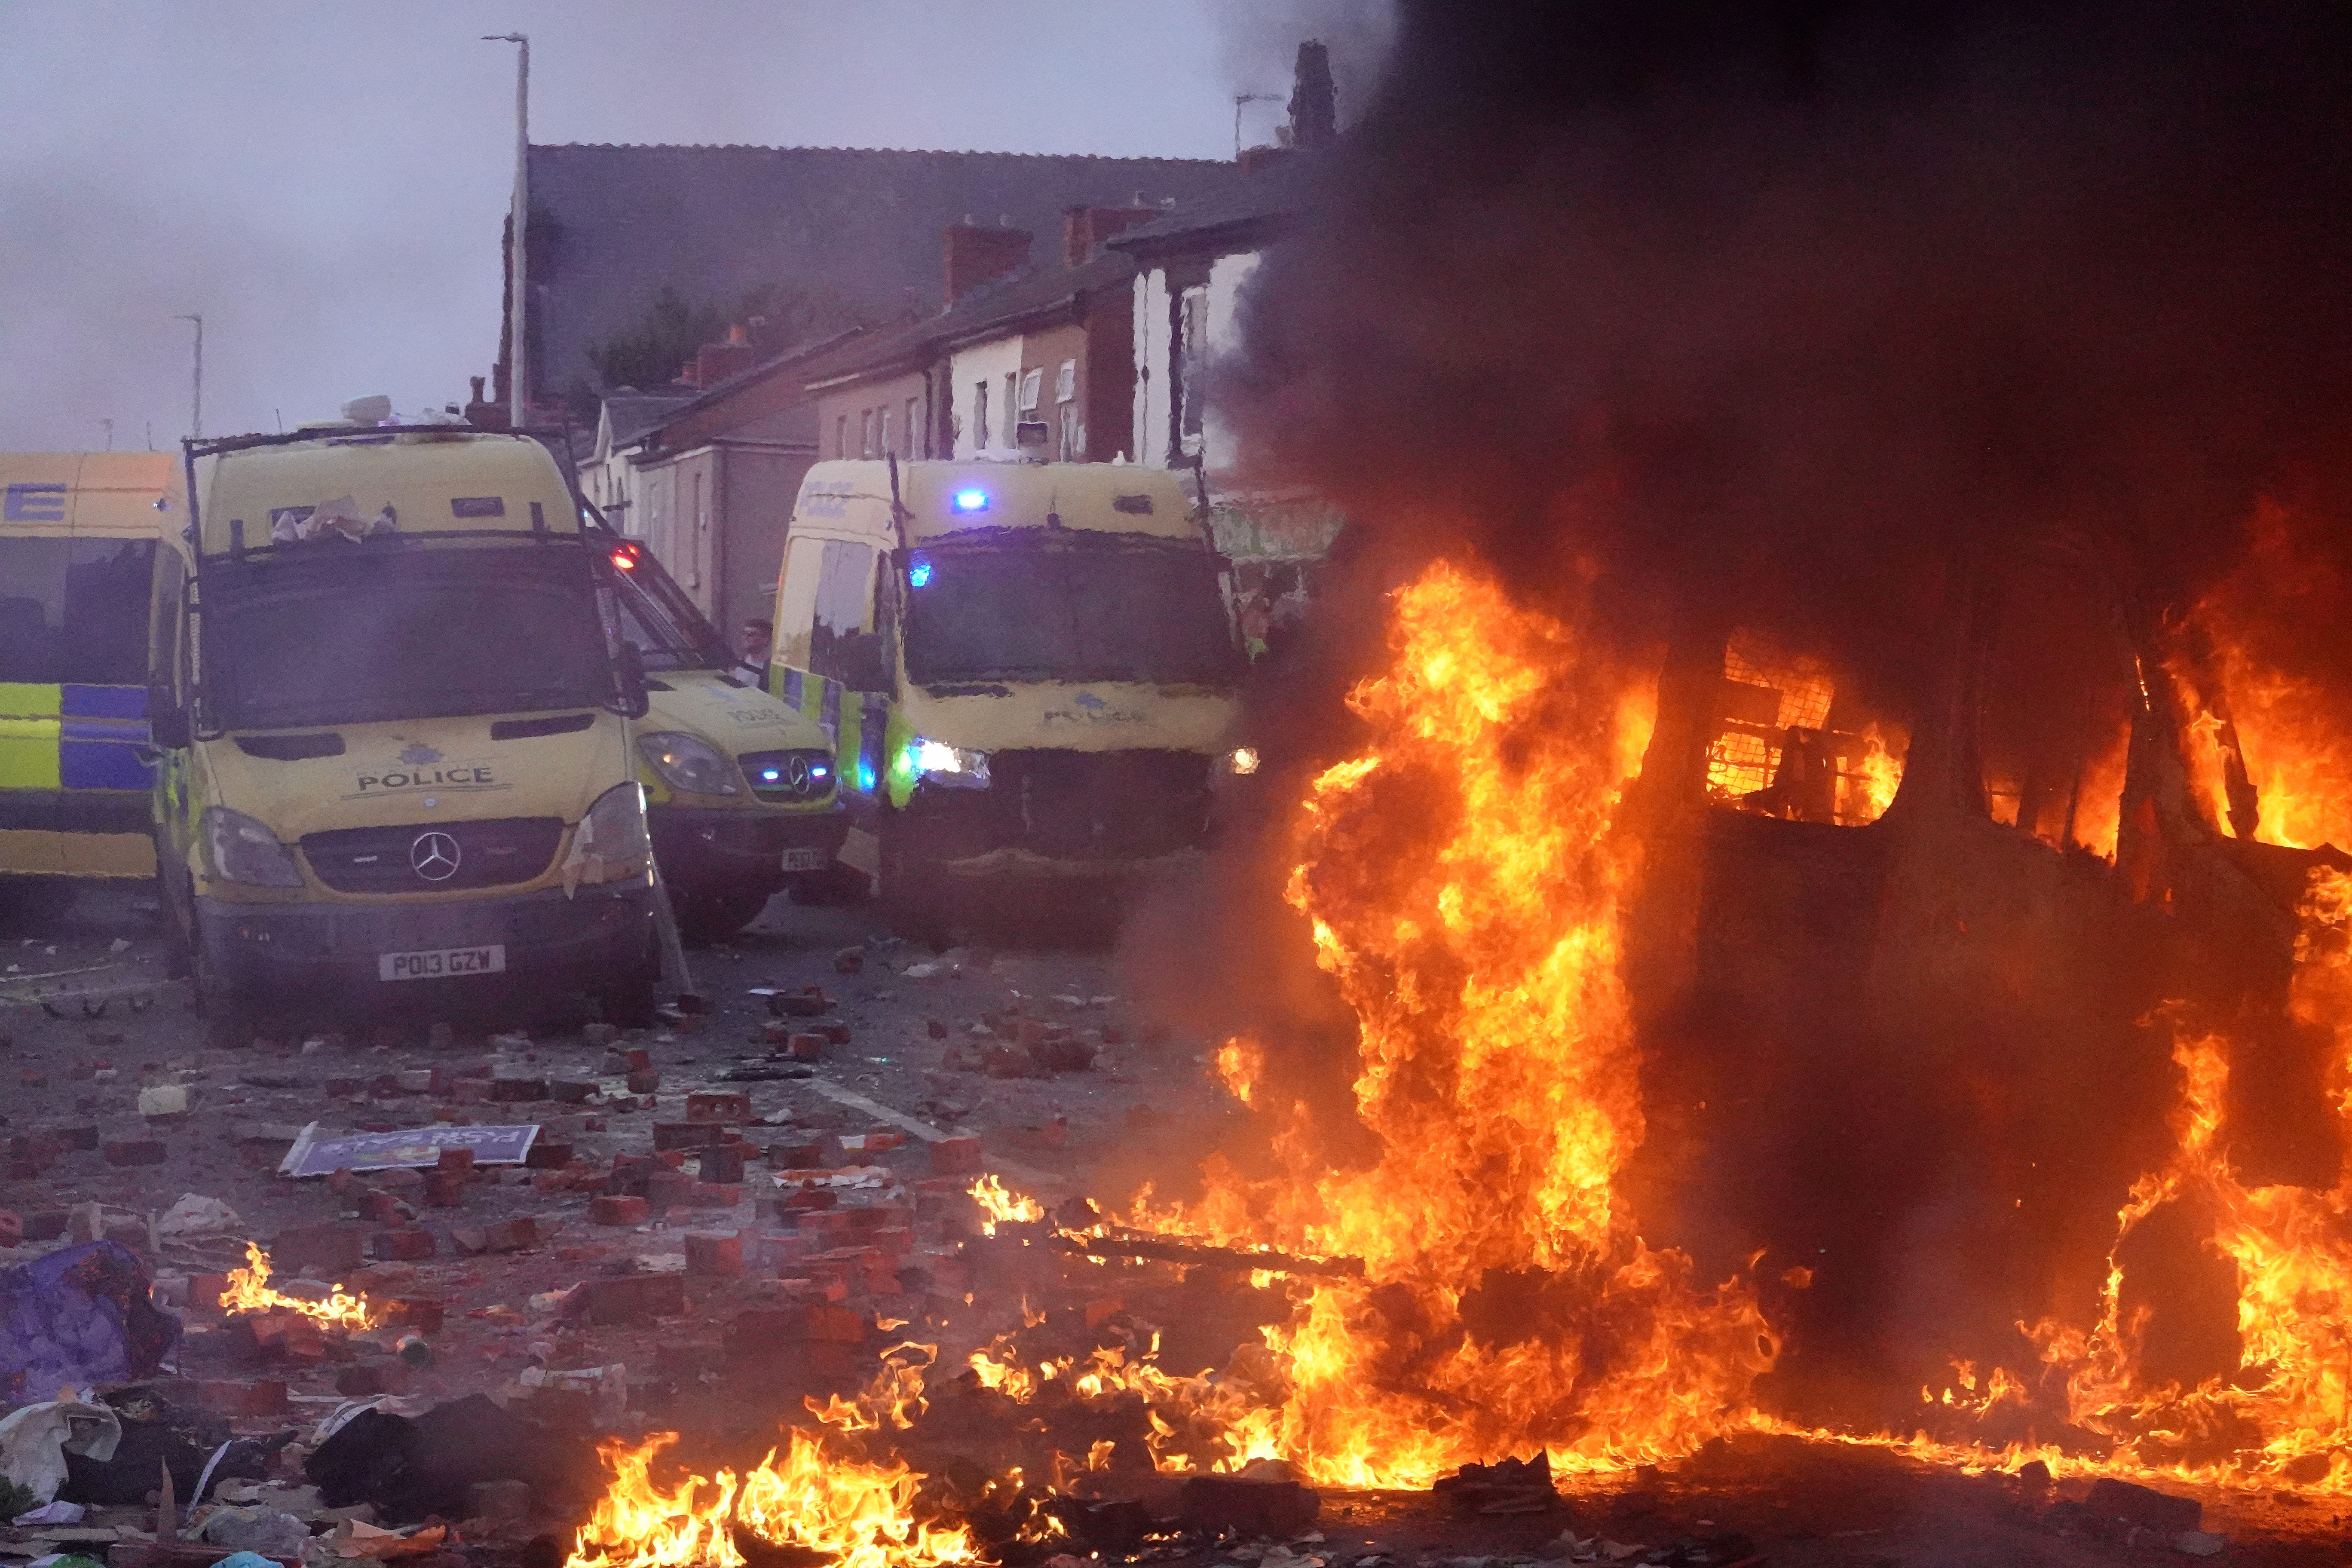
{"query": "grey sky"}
(325, 181)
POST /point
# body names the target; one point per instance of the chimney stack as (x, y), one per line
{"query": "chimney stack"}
(1084, 229)
(976, 256)
(714, 362)
(1313, 103)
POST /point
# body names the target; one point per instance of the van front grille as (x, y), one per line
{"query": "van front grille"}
(416, 856)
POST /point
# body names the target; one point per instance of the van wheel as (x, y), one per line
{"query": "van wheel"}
(231, 1022)
(917, 904)
(630, 1005)
(717, 914)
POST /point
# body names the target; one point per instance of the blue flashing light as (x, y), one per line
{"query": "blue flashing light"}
(818, 771)
(972, 501)
(770, 775)
(918, 575)
(866, 777)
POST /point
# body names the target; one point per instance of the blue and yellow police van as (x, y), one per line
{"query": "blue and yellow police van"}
(78, 540)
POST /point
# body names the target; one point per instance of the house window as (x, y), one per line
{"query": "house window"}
(980, 415)
(1191, 362)
(1032, 382)
(914, 423)
(1012, 408)
(840, 436)
(882, 431)
(866, 433)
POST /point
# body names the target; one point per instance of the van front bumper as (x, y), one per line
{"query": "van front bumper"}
(698, 847)
(601, 935)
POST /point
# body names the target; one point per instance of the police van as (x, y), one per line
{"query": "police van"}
(740, 794)
(78, 533)
(395, 726)
(1030, 672)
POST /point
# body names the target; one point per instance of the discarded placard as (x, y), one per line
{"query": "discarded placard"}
(415, 1146)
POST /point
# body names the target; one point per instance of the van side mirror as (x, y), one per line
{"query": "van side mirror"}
(629, 676)
(167, 721)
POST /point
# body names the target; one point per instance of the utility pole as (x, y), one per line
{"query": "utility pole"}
(196, 419)
(110, 433)
(517, 224)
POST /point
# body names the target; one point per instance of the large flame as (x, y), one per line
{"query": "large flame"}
(856, 1514)
(249, 1290)
(2286, 1409)
(1464, 887)
(2250, 705)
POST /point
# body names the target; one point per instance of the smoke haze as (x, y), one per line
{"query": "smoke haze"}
(326, 184)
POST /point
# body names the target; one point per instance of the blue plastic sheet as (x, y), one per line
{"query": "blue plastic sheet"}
(76, 1317)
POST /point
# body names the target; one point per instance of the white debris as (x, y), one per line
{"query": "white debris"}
(195, 1217)
(2200, 1543)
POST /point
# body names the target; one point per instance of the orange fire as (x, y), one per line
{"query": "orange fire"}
(2249, 710)
(250, 1292)
(851, 1513)
(1464, 887)
(1000, 1205)
(2285, 1411)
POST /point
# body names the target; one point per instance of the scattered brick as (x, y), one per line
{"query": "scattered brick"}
(718, 1105)
(714, 1252)
(133, 1152)
(955, 1156)
(804, 1046)
(572, 1091)
(373, 1376)
(406, 1243)
(516, 1090)
(512, 1235)
(687, 1135)
(630, 1297)
(460, 1159)
(546, 1154)
(615, 1209)
(645, 1082)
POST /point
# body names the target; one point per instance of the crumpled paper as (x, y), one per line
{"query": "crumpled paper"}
(34, 1441)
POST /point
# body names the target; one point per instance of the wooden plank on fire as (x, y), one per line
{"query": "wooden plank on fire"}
(1172, 1250)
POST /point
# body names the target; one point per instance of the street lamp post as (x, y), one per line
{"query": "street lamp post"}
(196, 390)
(518, 223)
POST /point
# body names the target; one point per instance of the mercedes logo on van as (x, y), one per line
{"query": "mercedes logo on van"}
(434, 856)
(796, 775)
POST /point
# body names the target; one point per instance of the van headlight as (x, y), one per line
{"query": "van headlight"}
(614, 828)
(688, 762)
(950, 766)
(1242, 760)
(244, 850)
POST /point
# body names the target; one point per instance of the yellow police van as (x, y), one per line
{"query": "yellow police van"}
(1029, 670)
(741, 795)
(78, 534)
(394, 718)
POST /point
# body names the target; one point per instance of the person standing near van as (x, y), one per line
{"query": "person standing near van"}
(754, 643)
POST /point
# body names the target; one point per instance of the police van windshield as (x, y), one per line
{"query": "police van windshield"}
(1077, 609)
(355, 635)
(669, 632)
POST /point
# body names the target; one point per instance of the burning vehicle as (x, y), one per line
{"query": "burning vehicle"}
(394, 735)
